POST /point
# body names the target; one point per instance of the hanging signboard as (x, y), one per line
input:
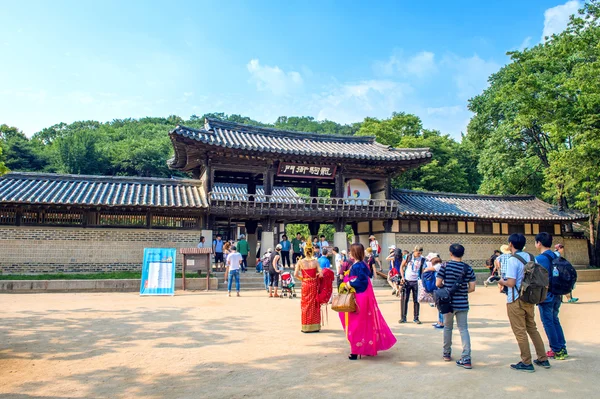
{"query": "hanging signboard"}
(308, 171)
(158, 272)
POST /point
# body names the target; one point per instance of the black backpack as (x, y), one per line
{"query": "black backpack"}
(563, 276)
(443, 296)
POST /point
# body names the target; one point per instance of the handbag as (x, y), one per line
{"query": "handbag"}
(424, 296)
(344, 302)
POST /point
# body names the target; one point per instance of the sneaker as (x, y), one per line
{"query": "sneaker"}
(438, 326)
(561, 355)
(550, 354)
(402, 321)
(417, 321)
(545, 364)
(528, 368)
(573, 300)
(447, 357)
(464, 363)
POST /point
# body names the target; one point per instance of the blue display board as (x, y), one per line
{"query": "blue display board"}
(158, 271)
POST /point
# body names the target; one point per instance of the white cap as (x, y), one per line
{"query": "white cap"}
(343, 252)
(392, 247)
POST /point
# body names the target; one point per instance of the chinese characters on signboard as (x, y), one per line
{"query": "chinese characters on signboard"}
(308, 171)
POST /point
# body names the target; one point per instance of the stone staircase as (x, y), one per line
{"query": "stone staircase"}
(255, 281)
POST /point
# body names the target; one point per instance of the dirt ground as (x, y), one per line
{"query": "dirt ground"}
(199, 344)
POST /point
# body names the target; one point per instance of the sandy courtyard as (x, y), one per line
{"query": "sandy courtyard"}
(201, 344)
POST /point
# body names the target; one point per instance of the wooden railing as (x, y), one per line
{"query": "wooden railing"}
(305, 207)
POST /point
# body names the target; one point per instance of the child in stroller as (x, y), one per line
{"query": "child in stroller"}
(287, 285)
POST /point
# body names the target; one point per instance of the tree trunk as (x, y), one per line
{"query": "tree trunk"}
(596, 241)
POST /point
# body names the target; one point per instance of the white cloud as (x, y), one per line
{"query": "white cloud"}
(273, 79)
(557, 18)
(444, 111)
(525, 44)
(420, 65)
(471, 74)
(351, 102)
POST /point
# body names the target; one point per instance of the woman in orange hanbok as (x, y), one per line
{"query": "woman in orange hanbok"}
(308, 271)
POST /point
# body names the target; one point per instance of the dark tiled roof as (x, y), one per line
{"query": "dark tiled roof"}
(232, 191)
(515, 207)
(268, 140)
(42, 188)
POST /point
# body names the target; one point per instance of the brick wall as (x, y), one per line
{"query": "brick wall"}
(478, 248)
(27, 250)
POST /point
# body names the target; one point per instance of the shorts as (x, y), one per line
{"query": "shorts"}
(273, 279)
(218, 257)
(375, 254)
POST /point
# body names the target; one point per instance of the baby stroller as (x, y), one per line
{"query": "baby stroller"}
(287, 285)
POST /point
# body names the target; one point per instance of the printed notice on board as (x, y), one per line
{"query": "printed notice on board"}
(158, 272)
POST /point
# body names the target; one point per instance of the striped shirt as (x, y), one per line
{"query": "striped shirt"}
(452, 271)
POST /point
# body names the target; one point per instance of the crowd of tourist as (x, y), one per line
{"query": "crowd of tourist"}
(445, 284)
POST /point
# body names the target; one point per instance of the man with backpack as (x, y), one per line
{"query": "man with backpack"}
(459, 278)
(527, 284)
(561, 281)
(410, 271)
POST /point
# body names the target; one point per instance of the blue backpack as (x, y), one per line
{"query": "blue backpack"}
(428, 279)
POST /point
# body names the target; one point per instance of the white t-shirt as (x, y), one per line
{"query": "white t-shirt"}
(411, 273)
(515, 269)
(323, 244)
(233, 260)
(338, 261)
(374, 245)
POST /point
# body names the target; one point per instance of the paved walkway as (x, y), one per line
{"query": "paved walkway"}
(198, 344)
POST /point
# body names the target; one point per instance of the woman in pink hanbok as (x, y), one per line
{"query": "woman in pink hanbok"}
(366, 330)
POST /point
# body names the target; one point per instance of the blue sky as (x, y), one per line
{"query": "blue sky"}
(65, 61)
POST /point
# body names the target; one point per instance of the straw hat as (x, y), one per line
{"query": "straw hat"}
(504, 249)
(371, 237)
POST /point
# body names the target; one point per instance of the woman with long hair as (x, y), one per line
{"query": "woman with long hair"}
(366, 330)
(308, 271)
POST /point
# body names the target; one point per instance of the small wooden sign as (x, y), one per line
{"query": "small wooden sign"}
(306, 171)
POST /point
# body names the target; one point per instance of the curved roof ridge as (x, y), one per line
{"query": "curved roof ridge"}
(99, 178)
(464, 195)
(213, 124)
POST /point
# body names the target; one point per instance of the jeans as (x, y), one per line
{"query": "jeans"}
(549, 315)
(267, 280)
(244, 262)
(463, 327)
(440, 318)
(285, 258)
(522, 321)
(259, 267)
(232, 274)
(409, 286)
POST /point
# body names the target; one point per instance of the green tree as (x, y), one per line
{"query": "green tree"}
(20, 153)
(537, 126)
(444, 173)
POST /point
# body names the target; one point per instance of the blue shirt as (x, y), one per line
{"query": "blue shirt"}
(324, 262)
(544, 261)
(286, 245)
(516, 269)
(359, 277)
(218, 246)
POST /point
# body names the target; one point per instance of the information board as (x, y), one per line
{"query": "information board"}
(158, 272)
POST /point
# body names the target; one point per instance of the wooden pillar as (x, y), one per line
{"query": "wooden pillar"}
(338, 192)
(313, 228)
(314, 189)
